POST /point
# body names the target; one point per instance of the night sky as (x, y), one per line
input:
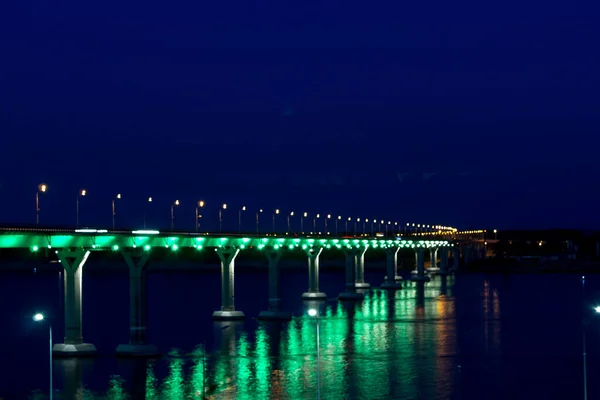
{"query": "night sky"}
(464, 113)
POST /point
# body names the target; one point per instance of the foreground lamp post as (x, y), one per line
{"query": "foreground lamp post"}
(198, 215)
(118, 197)
(315, 314)
(42, 187)
(82, 193)
(175, 203)
(223, 207)
(40, 318)
(240, 218)
(495, 234)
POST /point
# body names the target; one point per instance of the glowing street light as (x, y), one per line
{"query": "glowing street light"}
(315, 314)
(81, 193)
(339, 218)
(175, 203)
(42, 188)
(302, 221)
(495, 234)
(258, 219)
(348, 220)
(117, 197)
(40, 318)
(291, 214)
(223, 207)
(199, 206)
(240, 218)
(146, 210)
(274, 214)
(315, 222)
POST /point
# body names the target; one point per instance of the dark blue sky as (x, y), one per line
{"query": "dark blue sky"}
(457, 113)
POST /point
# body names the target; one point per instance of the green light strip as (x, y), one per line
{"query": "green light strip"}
(150, 239)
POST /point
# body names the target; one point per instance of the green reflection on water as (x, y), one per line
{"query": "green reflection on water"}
(392, 344)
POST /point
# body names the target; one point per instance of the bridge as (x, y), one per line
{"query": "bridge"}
(73, 247)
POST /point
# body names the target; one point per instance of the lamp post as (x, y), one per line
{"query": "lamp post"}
(223, 207)
(315, 223)
(40, 318)
(274, 214)
(326, 230)
(81, 193)
(258, 219)
(302, 221)
(118, 197)
(175, 203)
(365, 222)
(495, 234)
(240, 218)
(339, 218)
(355, 222)
(291, 214)
(42, 187)
(146, 210)
(348, 220)
(199, 206)
(315, 314)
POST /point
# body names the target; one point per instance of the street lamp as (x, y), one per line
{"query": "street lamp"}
(240, 218)
(328, 217)
(223, 207)
(302, 221)
(39, 318)
(274, 214)
(81, 193)
(198, 215)
(146, 210)
(339, 218)
(291, 214)
(257, 219)
(355, 222)
(315, 222)
(346, 230)
(175, 203)
(315, 314)
(495, 234)
(42, 187)
(118, 197)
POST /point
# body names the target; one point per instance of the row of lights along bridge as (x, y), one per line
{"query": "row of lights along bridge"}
(356, 225)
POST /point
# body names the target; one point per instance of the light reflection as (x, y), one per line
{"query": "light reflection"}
(391, 345)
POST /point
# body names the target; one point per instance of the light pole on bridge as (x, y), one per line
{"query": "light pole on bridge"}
(175, 203)
(240, 218)
(114, 213)
(81, 193)
(274, 215)
(42, 188)
(291, 214)
(258, 220)
(199, 206)
(223, 207)
(302, 221)
(146, 210)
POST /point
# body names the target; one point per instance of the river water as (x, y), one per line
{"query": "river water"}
(464, 337)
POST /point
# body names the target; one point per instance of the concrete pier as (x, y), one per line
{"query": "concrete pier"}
(391, 257)
(433, 266)
(359, 261)
(350, 293)
(313, 292)
(420, 270)
(138, 308)
(274, 311)
(227, 256)
(73, 346)
(443, 262)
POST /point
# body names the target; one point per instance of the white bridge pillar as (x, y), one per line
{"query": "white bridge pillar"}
(359, 260)
(274, 312)
(313, 292)
(227, 256)
(73, 262)
(138, 308)
(391, 259)
(420, 267)
(350, 291)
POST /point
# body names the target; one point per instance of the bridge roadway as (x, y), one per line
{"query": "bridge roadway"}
(74, 246)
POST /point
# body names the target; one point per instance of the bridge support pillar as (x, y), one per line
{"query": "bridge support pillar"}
(391, 259)
(350, 293)
(433, 267)
(313, 292)
(444, 261)
(138, 308)
(274, 312)
(360, 268)
(73, 262)
(455, 258)
(228, 312)
(420, 270)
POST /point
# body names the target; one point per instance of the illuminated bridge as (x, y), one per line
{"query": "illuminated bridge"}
(73, 247)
